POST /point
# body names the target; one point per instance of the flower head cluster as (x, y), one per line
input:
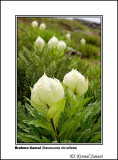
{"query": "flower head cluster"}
(61, 45)
(55, 43)
(34, 24)
(39, 43)
(68, 36)
(47, 91)
(83, 41)
(42, 26)
(76, 82)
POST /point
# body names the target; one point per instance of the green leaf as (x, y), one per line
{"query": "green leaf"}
(62, 119)
(45, 140)
(27, 99)
(67, 111)
(81, 103)
(96, 127)
(40, 123)
(70, 127)
(42, 109)
(31, 110)
(70, 96)
(96, 138)
(21, 116)
(89, 115)
(83, 136)
(31, 89)
(65, 91)
(27, 138)
(57, 115)
(23, 127)
(73, 105)
(55, 111)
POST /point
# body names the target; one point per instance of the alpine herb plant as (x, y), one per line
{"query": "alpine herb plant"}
(56, 103)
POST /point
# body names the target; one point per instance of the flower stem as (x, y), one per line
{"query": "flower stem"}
(58, 138)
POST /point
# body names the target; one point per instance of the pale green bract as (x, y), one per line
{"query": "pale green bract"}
(76, 82)
(46, 92)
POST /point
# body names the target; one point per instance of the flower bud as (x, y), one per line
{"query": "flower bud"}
(83, 41)
(34, 24)
(53, 42)
(68, 36)
(42, 26)
(61, 45)
(39, 43)
(76, 82)
(47, 91)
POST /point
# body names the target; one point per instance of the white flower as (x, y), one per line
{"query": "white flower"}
(83, 41)
(76, 82)
(61, 45)
(53, 42)
(39, 43)
(68, 36)
(42, 26)
(34, 24)
(47, 91)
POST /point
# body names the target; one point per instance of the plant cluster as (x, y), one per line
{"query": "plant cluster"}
(56, 104)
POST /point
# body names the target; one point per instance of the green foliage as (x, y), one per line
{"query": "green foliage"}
(33, 123)
(94, 91)
(74, 119)
(88, 50)
(80, 127)
(27, 35)
(55, 111)
(92, 40)
(29, 72)
(56, 27)
(32, 65)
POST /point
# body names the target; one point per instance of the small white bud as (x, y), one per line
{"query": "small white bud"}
(61, 45)
(76, 82)
(39, 43)
(42, 26)
(34, 24)
(68, 36)
(53, 42)
(83, 41)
